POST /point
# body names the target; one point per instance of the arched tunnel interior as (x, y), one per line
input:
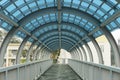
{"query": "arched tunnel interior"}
(43, 27)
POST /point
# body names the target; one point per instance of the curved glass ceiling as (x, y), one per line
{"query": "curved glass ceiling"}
(60, 24)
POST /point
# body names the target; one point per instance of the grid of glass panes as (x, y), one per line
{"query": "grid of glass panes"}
(97, 8)
(40, 21)
(20, 8)
(5, 25)
(78, 21)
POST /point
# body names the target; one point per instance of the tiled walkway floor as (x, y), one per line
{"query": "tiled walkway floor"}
(60, 72)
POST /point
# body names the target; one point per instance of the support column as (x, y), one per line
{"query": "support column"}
(73, 52)
(35, 52)
(80, 53)
(76, 56)
(21, 49)
(113, 45)
(100, 57)
(5, 43)
(90, 52)
(30, 50)
(84, 53)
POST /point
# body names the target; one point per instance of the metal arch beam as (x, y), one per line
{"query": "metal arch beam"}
(77, 10)
(75, 53)
(70, 38)
(68, 10)
(49, 44)
(59, 21)
(61, 40)
(4, 17)
(30, 50)
(38, 52)
(75, 34)
(5, 44)
(64, 36)
(53, 38)
(35, 52)
(90, 52)
(52, 45)
(84, 31)
(57, 40)
(96, 20)
(84, 53)
(79, 57)
(114, 45)
(21, 49)
(55, 23)
(80, 53)
(41, 35)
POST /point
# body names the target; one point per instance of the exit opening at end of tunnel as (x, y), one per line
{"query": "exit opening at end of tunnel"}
(60, 56)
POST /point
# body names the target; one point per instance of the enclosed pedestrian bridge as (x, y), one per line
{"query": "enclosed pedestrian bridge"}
(44, 27)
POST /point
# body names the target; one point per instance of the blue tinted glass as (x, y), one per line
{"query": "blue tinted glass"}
(24, 8)
(113, 25)
(68, 1)
(98, 2)
(100, 13)
(4, 24)
(72, 15)
(84, 20)
(19, 2)
(42, 2)
(33, 21)
(118, 20)
(16, 13)
(93, 8)
(32, 4)
(76, 2)
(114, 2)
(112, 12)
(84, 4)
(108, 27)
(10, 8)
(49, 1)
(106, 7)
(3, 1)
(118, 6)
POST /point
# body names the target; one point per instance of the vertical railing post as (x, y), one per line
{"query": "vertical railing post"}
(18, 75)
(6, 75)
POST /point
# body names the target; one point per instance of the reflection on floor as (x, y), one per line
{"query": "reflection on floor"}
(60, 72)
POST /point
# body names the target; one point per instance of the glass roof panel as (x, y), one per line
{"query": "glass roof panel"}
(5, 25)
(19, 2)
(11, 7)
(31, 39)
(21, 34)
(99, 9)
